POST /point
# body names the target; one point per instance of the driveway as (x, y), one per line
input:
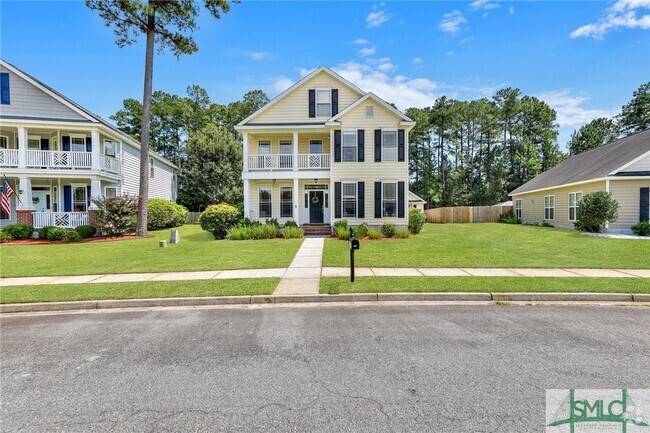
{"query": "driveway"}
(374, 368)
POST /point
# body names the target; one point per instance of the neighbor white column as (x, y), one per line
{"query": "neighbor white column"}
(22, 147)
(96, 149)
(295, 151)
(95, 191)
(247, 198)
(296, 201)
(25, 194)
(245, 141)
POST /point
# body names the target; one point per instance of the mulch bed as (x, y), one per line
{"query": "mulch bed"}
(94, 239)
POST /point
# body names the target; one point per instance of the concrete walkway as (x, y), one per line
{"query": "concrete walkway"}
(485, 272)
(303, 275)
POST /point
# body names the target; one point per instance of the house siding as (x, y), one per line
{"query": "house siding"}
(642, 165)
(627, 193)
(160, 186)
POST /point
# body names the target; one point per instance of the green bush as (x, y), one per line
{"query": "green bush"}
(342, 233)
(290, 223)
(402, 234)
(73, 236)
(267, 231)
(641, 229)
(164, 214)
(508, 218)
(240, 233)
(361, 231)
(247, 222)
(5, 237)
(595, 210)
(44, 231)
(375, 234)
(273, 221)
(244, 233)
(19, 231)
(218, 219)
(417, 218)
(338, 224)
(388, 229)
(293, 232)
(86, 231)
(116, 216)
(57, 234)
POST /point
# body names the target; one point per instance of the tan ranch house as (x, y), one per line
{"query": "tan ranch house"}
(325, 150)
(621, 167)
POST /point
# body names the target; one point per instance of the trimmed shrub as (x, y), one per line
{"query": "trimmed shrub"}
(218, 219)
(116, 216)
(244, 233)
(402, 234)
(19, 231)
(388, 229)
(417, 218)
(164, 214)
(343, 233)
(5, 237)
(340, 223)
(290, 223)
(86, 231)
(361, 231)
(293, 232)
(73, 236)
(375, 234)
(57, 234)
(641, 229)
(43, 232)
(508, 218)
(595, 210)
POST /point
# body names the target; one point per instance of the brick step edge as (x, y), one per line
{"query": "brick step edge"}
(348, 297)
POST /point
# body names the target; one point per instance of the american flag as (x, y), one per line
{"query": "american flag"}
(7, 192)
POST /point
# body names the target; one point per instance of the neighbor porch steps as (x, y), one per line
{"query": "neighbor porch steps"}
(317, 229)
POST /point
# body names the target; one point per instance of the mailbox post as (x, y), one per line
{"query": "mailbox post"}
(353, 244)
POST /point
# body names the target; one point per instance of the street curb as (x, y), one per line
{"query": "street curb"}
(319, 298)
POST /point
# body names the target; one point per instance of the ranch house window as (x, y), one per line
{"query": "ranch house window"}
(323, 103)
(389, 146)
(518, 208)
(265, 202)
(286, 202)
(349, 200)
(389, 199)
(549, 207)
(574, 200)
(349, 146)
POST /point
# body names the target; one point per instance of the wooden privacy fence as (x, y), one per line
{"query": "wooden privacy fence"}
(466, 214)
(194, 217)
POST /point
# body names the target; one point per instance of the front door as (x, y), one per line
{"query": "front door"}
(316, 207)
(39, 200)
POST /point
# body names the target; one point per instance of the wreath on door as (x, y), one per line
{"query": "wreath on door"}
(315, 199)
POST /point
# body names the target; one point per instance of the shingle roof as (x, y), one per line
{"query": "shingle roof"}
(592, 164)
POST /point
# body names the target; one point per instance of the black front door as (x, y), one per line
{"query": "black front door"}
(316, 207)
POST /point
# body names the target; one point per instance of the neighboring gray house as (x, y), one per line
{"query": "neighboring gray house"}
(57, 155)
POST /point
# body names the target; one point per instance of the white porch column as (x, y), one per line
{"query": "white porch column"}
(25, 194)
(247, 198)
(295, 151)
(96, 149)
(95, 191)
(245, 141)
(22, 148)
(296, 201)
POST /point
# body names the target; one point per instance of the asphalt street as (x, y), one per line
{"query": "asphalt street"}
(312, 368)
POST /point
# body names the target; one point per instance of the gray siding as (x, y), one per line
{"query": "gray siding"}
(27, 100)
(160, 186)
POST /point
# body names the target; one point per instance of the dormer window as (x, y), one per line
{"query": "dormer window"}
(323, 103)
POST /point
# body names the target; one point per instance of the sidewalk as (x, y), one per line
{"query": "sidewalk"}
(303, 275)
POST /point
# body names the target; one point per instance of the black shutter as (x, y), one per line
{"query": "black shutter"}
(45, 144)
(400, 145)
(335, 102)
(89, 144)
(377, 145)
(377, 199)
(337, 199)
(337, 146)
(361, 199)
(65, 142)
(644, 211)
(312, 102)
(361, 134)
(400, 199)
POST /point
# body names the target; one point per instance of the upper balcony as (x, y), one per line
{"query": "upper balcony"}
(306, 161)
(287, 151)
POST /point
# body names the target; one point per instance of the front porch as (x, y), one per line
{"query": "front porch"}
(67, 220)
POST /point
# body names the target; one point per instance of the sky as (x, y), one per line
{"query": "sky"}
(583, 58)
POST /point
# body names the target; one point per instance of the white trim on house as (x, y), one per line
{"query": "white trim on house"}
(396, 199)
(355, 146)
(323, 90)
(550, 207)
(383, 145)
(575, 206)
(519, 209)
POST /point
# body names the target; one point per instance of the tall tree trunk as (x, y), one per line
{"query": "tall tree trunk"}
(143, 196)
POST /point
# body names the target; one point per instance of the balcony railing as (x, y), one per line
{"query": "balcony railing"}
(67, 220)
(110, 164)
(8, 157)
(58, 159)
(307, 161)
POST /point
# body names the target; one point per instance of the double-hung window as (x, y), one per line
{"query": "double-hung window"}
(4, 142)
(286, 202)
(389, 146)
(265, 202)
(79, 198)
(33, 142)
(285, 154)
(349, 145)
(574, 200)
(349, 200)
(110, 148)
(110, 191)
(389, 199)
(78, 144)
(549, 207)
(315, 147)
(518, 208)
(323, 103)
(264, 147)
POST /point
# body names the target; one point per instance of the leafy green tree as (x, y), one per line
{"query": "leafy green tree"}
(635, 115)
(167, 24)
(594, 134)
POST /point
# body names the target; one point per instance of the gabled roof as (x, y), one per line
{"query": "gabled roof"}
(414, 198)
(300, 82)
(93, 118)
(593, 164)
(376, 98)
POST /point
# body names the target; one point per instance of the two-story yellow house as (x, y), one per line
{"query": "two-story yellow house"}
(325, 150)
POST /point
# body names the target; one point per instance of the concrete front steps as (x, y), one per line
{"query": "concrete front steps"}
(317, 229)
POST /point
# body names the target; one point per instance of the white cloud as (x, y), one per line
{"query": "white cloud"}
(452, 22)
(377, 17)
(364, 52)
(257, 55)
(570, 108)
(485, 14)
(511, 9)
(360, 41)
(450, 53)
(483, 4)
(417, 61)
(623, 14)
(467, 40)
(282, 83)
(386, 67)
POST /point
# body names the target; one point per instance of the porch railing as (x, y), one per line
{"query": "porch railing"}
(8, 157)
(68, 220)
(58, 159)
(111, 164)
(313, 160)
(270, 162)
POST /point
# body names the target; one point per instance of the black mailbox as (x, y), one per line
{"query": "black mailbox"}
(354, 244)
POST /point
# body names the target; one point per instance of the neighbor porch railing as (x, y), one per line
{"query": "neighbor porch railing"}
(58, 159)
(8, 157)
(67, 220)
(112, 165)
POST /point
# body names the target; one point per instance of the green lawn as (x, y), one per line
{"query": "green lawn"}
(140, 290)
(494, 245)
(334, 285)
(197, 251)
